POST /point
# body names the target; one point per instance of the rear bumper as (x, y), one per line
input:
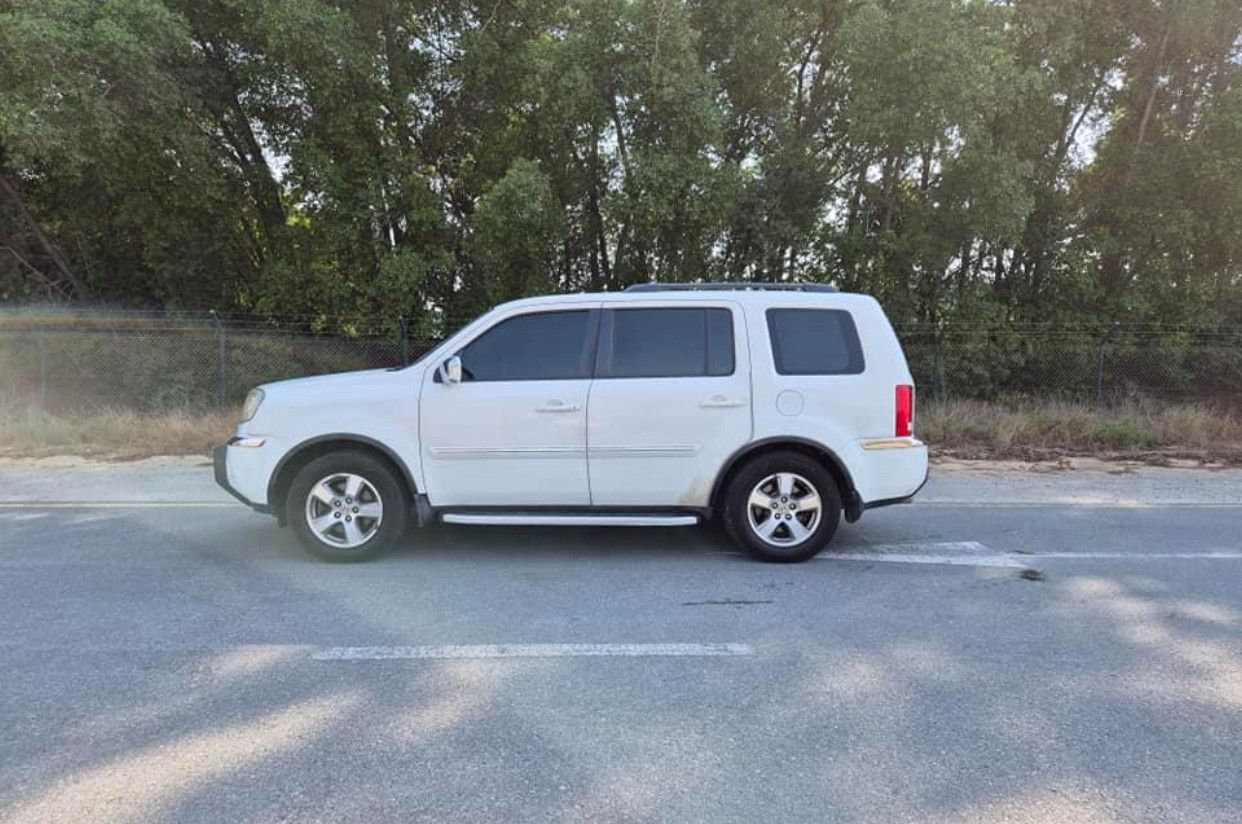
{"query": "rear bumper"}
(904, 500)
(220, 465)
(886, 472)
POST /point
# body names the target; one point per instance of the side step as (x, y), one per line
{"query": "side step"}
(567, 519)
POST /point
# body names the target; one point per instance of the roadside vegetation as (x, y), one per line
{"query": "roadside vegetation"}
(966, 429)
(987, 165)
(1047, 430)
(113, 434)
(1045, 196)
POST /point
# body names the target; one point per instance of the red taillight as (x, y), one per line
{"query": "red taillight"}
(905, 411)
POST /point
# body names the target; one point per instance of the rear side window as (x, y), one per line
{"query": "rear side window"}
(541, 346)
(814, 342)
(667, 343)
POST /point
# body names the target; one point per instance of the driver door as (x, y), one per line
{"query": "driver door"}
(513, 431)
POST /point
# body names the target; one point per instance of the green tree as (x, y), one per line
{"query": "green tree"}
(517, 228)
(964, 160)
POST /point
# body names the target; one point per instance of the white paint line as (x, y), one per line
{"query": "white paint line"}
(973, 553)
(920, 548)
(116, 504)
(530, 651)
(950, 553)
(1006, 561)
(1054, 504)
(1140, 556)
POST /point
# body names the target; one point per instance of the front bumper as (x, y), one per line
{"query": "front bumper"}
(219, 461)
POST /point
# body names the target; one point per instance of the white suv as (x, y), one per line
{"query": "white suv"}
(775, 408)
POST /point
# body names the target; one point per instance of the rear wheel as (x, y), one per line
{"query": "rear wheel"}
(346, 506)
(782, 507)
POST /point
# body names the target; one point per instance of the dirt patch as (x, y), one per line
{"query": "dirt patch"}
(1116, 465)
(60, 462)
(1062, 458)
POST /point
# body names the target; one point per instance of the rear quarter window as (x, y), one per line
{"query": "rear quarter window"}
(814, 342)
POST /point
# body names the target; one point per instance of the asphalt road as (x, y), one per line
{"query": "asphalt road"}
(1015, 648)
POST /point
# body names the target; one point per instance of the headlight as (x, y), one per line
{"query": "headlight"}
(251, 406)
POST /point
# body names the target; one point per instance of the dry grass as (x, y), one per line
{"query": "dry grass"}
(117, 434)
(1050, 429)
(966, 429)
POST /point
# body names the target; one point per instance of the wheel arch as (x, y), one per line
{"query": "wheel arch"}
(306, 451)
(851, 502)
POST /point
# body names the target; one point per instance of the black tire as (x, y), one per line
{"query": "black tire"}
(736, 514)
(383, 484)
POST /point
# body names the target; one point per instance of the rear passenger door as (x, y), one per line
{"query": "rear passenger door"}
(670, 401)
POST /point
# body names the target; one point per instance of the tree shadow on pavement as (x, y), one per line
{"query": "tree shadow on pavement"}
(158, 668)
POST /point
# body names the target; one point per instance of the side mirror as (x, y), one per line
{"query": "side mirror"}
(450, 370)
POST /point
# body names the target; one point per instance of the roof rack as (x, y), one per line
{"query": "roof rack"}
(738, 286)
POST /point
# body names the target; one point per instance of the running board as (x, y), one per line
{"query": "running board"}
(567, 519)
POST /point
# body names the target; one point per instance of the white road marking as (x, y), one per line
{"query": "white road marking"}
(952, 553)
(1055, 504)
(1139, 556)
(973, 553)
(116, 504)
(1006, 561)
(529, 651)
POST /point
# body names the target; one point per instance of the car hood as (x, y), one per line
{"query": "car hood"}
(330, 400)
(318, 383)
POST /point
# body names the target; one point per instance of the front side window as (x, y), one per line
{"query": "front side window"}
(536, 347)
(814, 342)
(667, 343)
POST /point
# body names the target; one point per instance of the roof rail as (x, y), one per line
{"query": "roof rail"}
(738, 286)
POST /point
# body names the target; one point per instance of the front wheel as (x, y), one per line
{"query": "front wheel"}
(782, 507)
(346, 506)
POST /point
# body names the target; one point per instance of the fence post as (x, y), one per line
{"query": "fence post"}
(404, 323)
(42, 343)
(937, 373)
(1099, 372)
(222, 362)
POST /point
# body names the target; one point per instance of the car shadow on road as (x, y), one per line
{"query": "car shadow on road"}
(507, 542)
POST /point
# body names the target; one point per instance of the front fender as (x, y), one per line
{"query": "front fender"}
(316, 445)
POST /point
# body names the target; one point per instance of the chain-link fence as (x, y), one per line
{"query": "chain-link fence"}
(1069, 363)
(150, 362)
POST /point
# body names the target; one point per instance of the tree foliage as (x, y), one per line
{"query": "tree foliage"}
(984, 161)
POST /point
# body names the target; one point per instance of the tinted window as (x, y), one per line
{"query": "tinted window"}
(814, 342)
(543, 346)
(670, 343)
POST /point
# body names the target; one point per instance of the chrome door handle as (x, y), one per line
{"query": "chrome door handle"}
(721, 402)
(557, 406)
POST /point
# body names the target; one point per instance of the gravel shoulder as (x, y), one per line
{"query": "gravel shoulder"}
(164, 479)
(1082, 481)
